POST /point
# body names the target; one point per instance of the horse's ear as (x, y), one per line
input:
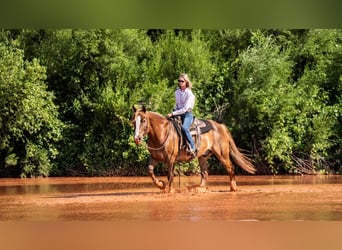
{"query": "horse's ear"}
(143, 108)
(134, 108)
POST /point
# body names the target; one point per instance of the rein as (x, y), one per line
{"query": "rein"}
(167, 137)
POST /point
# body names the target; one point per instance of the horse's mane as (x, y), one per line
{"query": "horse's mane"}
(156, 114)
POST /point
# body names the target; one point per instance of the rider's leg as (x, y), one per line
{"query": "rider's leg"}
(187, 120)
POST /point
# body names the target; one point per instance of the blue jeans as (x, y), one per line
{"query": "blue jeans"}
(187, 120)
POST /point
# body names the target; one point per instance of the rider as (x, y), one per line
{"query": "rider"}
(185, 101)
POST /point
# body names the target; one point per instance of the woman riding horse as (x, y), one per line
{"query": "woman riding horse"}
(185, 102)
(163, 145)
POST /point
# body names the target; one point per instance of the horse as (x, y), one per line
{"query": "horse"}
(163, 145)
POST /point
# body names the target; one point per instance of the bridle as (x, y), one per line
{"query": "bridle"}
(137, 121)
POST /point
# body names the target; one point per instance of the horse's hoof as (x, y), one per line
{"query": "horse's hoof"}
(161, 184)
(197, 189)
(167, 190)
(233, 186)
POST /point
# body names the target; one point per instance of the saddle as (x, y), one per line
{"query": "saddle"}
(197, 127)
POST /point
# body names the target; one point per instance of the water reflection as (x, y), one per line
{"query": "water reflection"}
(282, 180)
(68, 185)
(135, 198)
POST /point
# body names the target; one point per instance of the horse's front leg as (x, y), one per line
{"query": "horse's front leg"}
(152, 163)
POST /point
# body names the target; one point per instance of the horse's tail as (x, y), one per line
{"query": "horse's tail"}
(239, 158)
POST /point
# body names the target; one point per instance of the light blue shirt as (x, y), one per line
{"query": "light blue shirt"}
(185, 101)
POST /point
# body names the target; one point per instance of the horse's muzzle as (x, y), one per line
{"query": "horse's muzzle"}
(137, 140)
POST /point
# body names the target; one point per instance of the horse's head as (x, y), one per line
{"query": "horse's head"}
(140, 123)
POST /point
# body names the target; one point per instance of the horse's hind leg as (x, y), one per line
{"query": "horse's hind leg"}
(170, 176)
(204, 175)
(228, 165)
(204, 171)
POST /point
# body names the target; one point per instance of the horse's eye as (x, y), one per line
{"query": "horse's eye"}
(143, 120)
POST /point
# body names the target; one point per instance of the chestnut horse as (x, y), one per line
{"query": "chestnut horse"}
(163, 145)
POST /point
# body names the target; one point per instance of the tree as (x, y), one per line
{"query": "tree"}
(93, 74)
(29, 127)
(287, 120)
(279, 92)
(320, 58)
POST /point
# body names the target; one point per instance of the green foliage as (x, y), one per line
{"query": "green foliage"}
(175, 53)
(261, 94)
(323, 72)
(66, 96)
(93, 78)
(216, 93)
(29, 127)
(284, 118)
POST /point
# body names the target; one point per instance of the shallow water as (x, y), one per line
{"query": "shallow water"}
(260, 198)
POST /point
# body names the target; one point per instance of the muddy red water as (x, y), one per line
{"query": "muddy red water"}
(260, 198)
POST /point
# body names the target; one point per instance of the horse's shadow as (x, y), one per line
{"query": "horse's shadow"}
(72, 196)
(141, 193)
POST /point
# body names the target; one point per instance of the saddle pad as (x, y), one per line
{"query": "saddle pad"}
(204, 125)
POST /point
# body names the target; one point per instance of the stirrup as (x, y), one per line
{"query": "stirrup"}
(193, 153)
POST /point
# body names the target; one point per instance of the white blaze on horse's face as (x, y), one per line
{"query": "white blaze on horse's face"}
(137, 138)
